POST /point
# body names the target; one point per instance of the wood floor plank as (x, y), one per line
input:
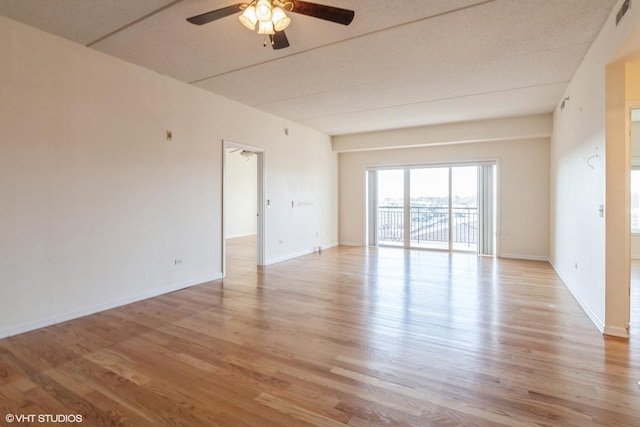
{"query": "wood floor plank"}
(297, 412)
(350, 336)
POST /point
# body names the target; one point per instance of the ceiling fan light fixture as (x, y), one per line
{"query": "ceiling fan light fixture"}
(249, 18)
(265, 27)
(263, 10)
(270, 17)
(280, 19)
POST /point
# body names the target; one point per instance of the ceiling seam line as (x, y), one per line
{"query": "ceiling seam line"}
(132, 23)
(382, 30)
(379, 81)
(430, 101)
(355, 86)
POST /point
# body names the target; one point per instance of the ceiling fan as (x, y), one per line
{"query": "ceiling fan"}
(271, 19)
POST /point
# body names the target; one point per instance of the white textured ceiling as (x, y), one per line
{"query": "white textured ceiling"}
(401, 63)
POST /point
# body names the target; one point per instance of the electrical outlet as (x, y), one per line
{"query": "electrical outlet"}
(169, 135)
(178, 261)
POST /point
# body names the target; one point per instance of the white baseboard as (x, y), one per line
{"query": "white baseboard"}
(616, 331)
(236, 236)
(525, 257)
(351, 244)
(59, 318)
(585, 306)
(297, 255)
(332, 245)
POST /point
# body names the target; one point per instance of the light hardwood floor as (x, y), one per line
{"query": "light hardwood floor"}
(353, 336)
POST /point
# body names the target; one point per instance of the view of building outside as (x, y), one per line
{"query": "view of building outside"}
(429, 207)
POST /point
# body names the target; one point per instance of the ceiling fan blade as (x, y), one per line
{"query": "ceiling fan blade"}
(279, 40)
(207, 17)
(321, 11)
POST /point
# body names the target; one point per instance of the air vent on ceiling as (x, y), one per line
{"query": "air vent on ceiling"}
(623, 10)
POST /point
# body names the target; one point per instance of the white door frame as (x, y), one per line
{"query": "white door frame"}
(260, 249)
(631, 105)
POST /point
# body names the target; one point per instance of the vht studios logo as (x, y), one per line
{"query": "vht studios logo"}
(43, 418)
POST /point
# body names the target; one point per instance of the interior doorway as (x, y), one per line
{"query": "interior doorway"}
(442, 207)
(634, 215)
(243, 201)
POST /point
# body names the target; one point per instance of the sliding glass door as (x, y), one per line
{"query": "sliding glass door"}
(464, 215)
(442, 207)
(429, 205)
(390, 207)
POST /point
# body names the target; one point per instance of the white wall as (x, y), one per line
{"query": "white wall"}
(504, 129)
(241, 194)
(635, 156)
(97, 205)
(523, 217)
(579, 236)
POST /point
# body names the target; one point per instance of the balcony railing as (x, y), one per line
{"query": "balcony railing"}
(429, 224)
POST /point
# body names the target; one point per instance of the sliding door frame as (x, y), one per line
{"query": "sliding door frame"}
(371, 199)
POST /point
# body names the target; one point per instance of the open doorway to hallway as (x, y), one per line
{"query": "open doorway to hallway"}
(635, 221)
(241, 253)
(243, 225)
